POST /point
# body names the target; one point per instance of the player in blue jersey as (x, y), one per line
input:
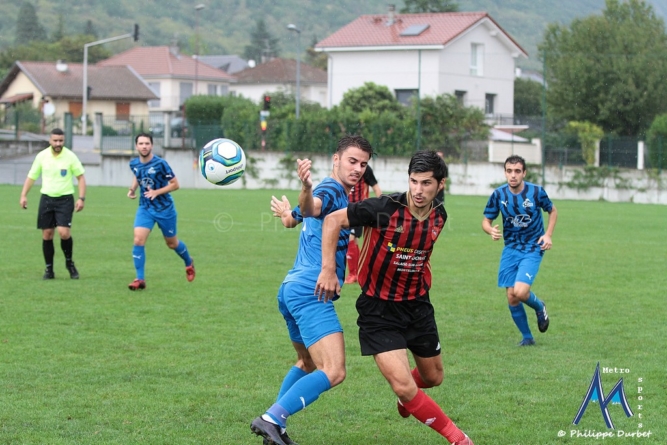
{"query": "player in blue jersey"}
(312, 324)
(156, 180)
(521, 204)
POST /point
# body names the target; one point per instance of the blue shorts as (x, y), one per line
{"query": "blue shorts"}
(518, 267)
(308, 319)
(166, 221)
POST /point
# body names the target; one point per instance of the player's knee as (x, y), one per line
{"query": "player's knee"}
(433, 379)
(336, 375)
(306, 364)
(172, 244)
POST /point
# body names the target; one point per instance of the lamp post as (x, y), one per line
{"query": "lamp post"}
(84, 99)
(198, 8)
(292, 27)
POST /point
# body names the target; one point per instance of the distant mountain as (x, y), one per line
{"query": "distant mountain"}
(225, 25)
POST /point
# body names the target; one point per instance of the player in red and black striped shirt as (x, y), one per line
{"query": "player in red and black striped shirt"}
(395, 313)
(358, 193)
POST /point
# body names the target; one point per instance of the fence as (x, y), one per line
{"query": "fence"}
(388, 137)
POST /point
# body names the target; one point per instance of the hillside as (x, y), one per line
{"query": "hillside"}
(225, 25)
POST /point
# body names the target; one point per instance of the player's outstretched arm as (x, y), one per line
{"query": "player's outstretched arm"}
(545, 240)
(131, 193)
(282, 209)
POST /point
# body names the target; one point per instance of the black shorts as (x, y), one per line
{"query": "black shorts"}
(55, 212)
(357, 231)
(387, 326)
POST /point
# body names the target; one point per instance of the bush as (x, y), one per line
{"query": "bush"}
(657, 142)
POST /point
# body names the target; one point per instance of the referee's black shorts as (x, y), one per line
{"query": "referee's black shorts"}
(55, 212)
(388, 326)
(357, 231)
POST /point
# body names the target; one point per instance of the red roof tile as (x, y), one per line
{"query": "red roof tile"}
(373, 30)
(159, 61)
(114, 82)
(281, 71)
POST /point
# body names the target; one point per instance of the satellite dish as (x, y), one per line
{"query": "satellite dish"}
(49, 109)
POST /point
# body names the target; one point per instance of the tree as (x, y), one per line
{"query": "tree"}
(59, 33)
(446, 123)
(28, 28)
(373, 97)
(263, 47)
(314, 58)
(415, 6)
(589, 136)
(527, 97)
(89, 29)
(610, 69)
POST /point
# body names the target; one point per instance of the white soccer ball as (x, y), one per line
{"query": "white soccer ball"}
(222, 161)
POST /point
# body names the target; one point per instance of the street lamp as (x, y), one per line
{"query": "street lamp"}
(198, 8)
(292, 27)
(84, 98)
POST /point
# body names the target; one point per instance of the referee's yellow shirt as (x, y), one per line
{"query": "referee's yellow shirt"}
(56, 171)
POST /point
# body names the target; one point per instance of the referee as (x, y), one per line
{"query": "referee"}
(56, 164)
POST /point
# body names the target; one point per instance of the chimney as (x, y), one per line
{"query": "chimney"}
(390, 15)
(173, 48)
(61, 66)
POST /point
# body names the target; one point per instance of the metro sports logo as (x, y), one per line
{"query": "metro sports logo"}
(596, 394)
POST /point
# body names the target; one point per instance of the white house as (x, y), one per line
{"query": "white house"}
(466, 54)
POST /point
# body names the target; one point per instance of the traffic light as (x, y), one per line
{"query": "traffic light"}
(267, 102)
(135, 35)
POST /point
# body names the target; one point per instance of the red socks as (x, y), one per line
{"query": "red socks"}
(424, 409)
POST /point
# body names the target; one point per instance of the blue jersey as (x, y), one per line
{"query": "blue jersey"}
(308, 262)
(522, 214)
(153, 175)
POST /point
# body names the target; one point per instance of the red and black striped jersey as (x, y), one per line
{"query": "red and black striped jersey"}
(394, 263)
(360, 190)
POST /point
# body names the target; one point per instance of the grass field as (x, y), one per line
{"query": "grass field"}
(89, 362)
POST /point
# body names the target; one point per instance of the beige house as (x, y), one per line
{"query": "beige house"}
(172, 76)
(57, 88)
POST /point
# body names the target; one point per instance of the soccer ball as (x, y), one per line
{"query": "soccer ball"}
(222, 161)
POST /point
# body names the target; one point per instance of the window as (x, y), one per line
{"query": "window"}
(489, 103)
(476, 59)
(405, 96)
(460, 96)
(217, 90)
(155, 88)
(122, 111)
(185, 92)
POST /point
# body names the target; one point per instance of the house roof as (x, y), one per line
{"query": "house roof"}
(281, 71)
(228, 63)
(116, 83)
(161, 61)
(380, 30)
(16, 98)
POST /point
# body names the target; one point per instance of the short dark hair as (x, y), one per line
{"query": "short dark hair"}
(58, 131)
(515, 159)
(428, 161)
(354, 141)
(146, 135)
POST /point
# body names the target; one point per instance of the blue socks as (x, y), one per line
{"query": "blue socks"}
(182, 251)
(139, 256)
(535, 303)
(294, 375)
(520, 319)
(302, 393)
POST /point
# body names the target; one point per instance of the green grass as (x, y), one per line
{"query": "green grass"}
(89, 362)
